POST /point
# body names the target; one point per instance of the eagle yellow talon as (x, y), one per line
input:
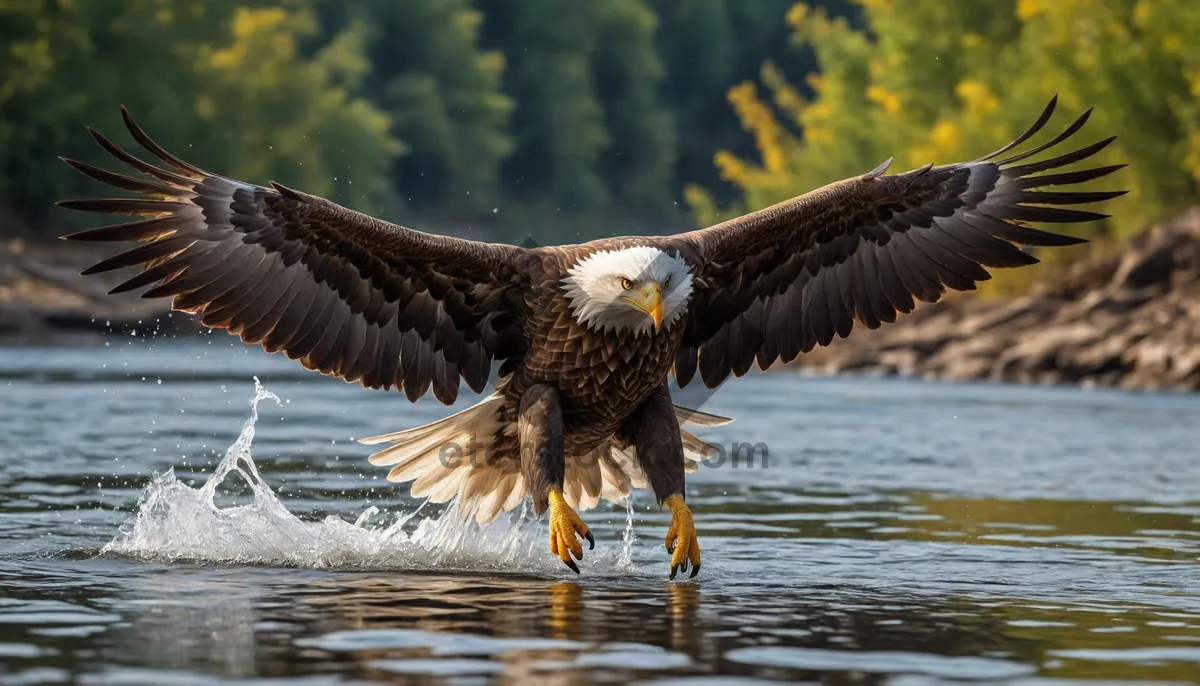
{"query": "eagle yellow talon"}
(565, 525)
(681, 537)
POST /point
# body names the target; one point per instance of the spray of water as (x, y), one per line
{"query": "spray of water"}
(627, 537)
(175, 522)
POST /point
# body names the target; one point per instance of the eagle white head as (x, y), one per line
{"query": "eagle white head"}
(632, 290)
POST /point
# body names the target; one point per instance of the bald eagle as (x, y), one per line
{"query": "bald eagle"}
(585, 336)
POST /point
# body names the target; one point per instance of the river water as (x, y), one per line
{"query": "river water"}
(899, 532)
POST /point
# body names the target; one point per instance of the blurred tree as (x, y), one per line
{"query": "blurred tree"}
(225, 79)
(280, 116)
(638, 165)
(578, 133)
(708, 46)
(558, 124)
(899, 88)
(604, 110)
(442, 92)
(51, 84)
(595, 140)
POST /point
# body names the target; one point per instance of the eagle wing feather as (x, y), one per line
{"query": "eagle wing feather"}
(344, 293)
(782, 280)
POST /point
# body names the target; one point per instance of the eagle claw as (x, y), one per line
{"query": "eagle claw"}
(565, 525)
(675, 569)
(681, 540)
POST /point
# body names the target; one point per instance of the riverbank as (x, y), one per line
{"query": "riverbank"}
(44, 301)
(1127, 317)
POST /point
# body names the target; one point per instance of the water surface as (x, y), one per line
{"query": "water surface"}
(900, 532)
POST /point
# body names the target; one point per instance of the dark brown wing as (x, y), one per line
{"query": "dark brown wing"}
(782, 280)
(342, 292)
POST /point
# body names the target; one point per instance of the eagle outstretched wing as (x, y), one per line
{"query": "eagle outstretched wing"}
(780, 281)
(344, 293)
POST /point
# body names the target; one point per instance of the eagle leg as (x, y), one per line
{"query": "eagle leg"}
(681, 540)
(654, 428)
(540, 430)
(565, 524)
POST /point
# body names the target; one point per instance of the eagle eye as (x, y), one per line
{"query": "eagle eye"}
(626, 283)
(666, 283)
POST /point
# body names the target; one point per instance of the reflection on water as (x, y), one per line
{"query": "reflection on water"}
(241, 622)
(904, 533)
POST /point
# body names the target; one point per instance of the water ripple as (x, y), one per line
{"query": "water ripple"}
(909, 532)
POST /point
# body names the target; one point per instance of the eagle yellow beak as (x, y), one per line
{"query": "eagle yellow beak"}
(649, 300)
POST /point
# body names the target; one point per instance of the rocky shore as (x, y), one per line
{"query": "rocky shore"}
(1127, 317)
(43, 300)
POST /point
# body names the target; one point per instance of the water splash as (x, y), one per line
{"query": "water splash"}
(175, 522)
(627, 537)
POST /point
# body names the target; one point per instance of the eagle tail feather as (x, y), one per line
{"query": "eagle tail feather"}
(453, 457)
(689, 417)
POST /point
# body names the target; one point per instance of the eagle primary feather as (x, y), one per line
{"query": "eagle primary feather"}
(342, 292)
(391, 307)
(782, 280)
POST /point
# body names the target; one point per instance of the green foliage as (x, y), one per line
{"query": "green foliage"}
(558, 125)
(576, 119)
(638, 164)
(275, 115)
(582, 118)
(707, 46)
(931, 81)
(222, 84)
(443, 95)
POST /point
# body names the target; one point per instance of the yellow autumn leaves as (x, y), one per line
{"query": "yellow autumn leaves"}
(930, 81)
